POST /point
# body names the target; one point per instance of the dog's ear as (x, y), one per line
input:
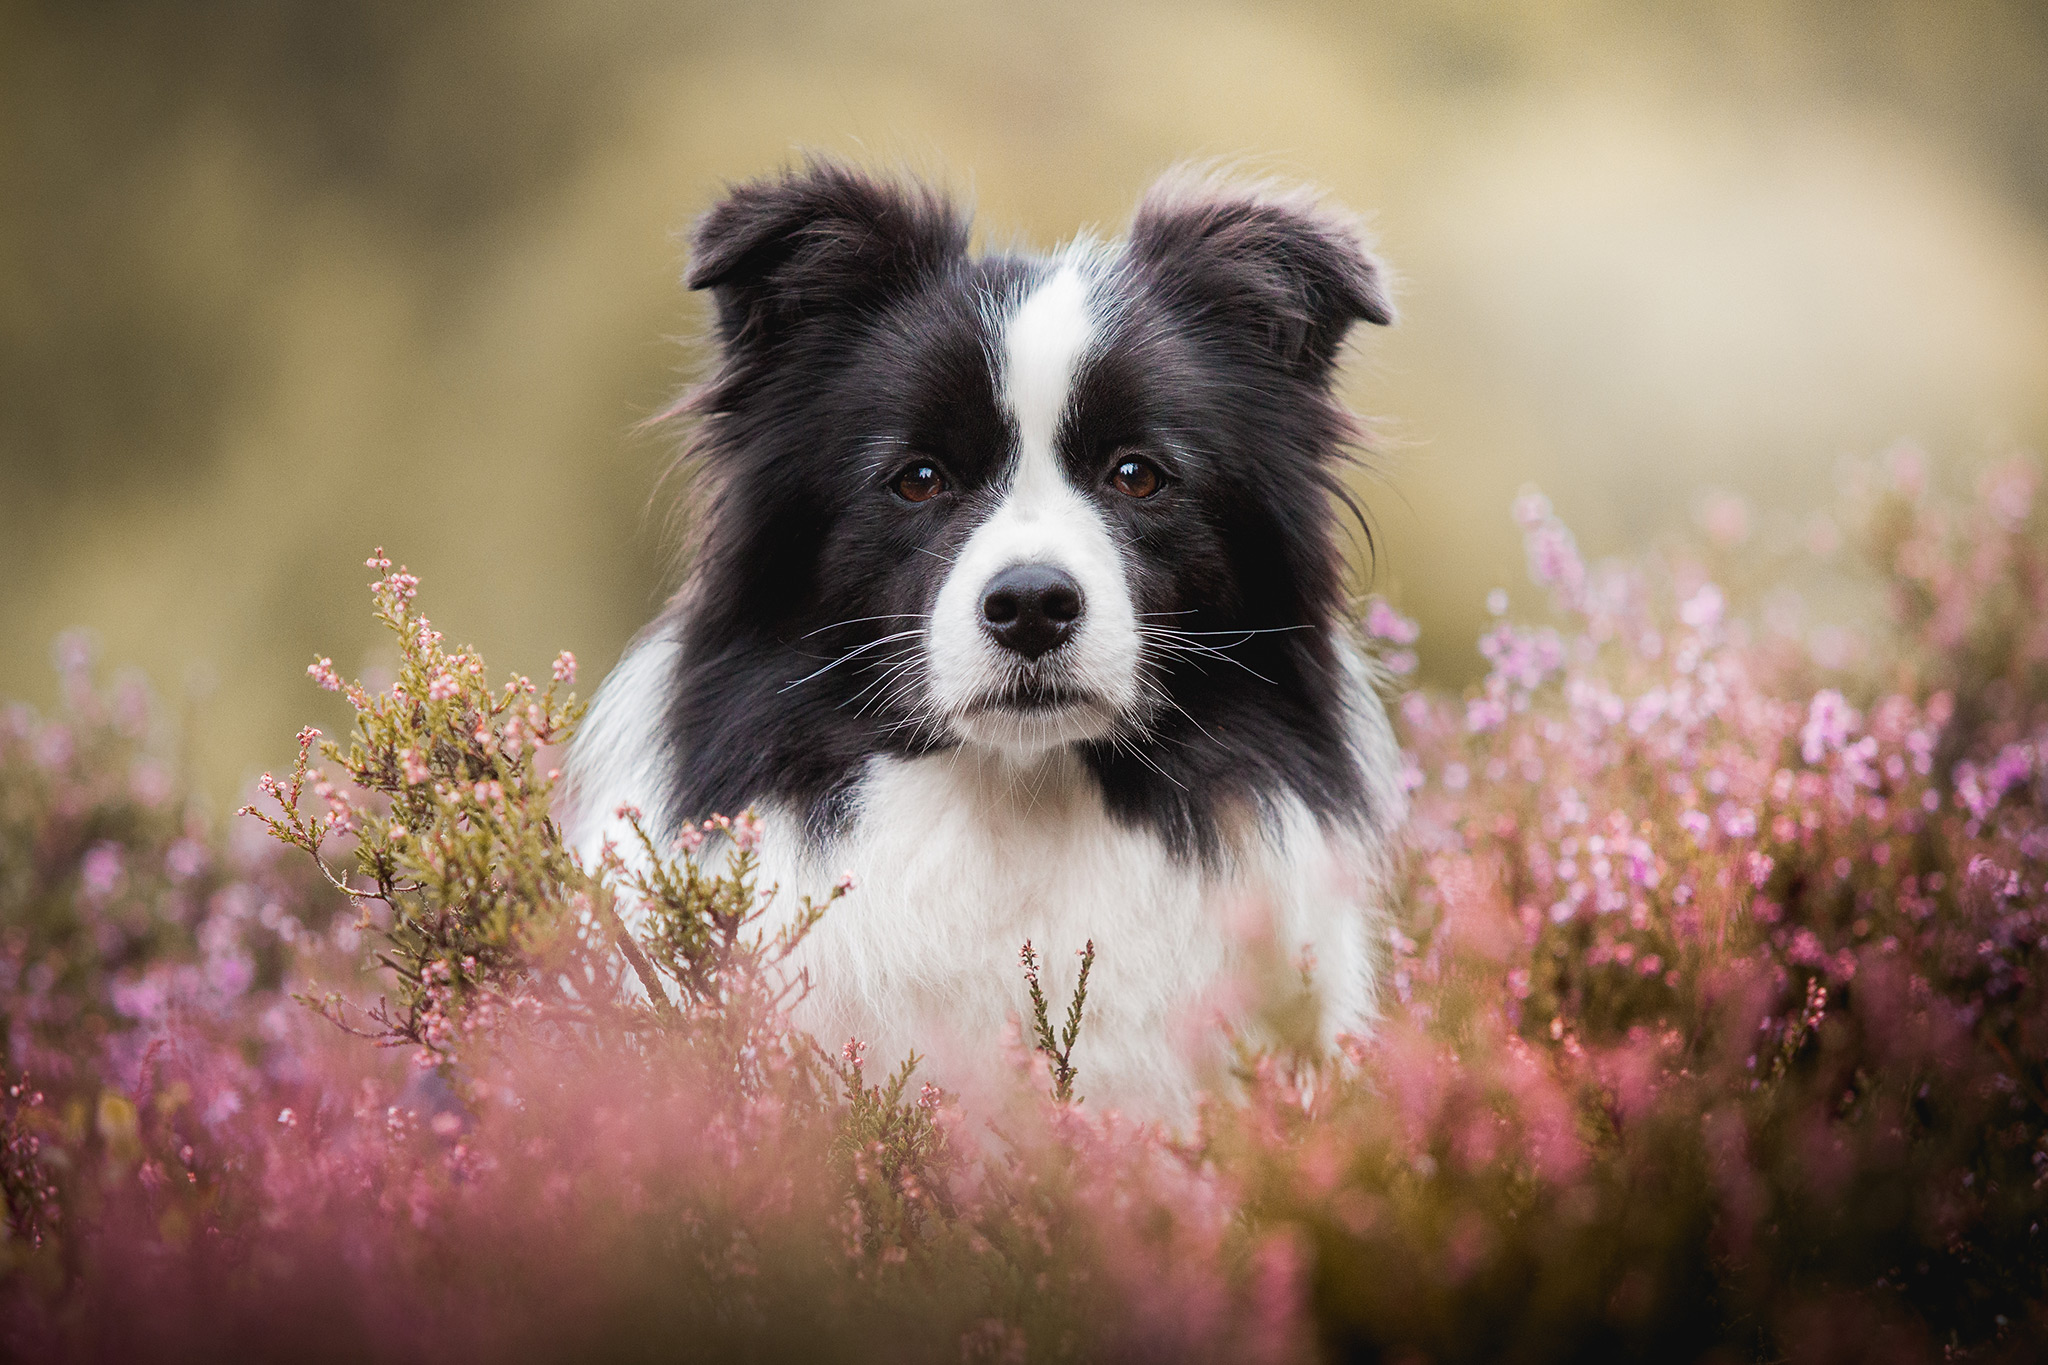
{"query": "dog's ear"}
(778, 250)
(1274, 266)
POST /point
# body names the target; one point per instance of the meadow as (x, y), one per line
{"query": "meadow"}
(1716, 1025)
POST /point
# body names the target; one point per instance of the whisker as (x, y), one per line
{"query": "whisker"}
(1246, 632)
(885, 672)
(1192, 648)
(856, 620)
(851, 654)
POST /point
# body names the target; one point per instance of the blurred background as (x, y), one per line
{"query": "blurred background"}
(283, 280)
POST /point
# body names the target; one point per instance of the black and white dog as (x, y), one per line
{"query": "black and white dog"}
(1018, 594)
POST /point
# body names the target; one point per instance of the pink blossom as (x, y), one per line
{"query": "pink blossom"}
(104, 872)
(1383, 622)
(1702, 611)
(1830, 720)
(565, 667)
(322, 672)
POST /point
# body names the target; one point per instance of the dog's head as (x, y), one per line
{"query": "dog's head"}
(1014, 502)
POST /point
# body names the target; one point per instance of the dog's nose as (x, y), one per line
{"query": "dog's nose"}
(1031, 608)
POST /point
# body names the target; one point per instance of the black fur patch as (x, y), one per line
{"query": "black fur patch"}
(856, 334)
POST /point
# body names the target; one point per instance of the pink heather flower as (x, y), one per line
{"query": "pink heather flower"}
(1485, 713)
(1383, 622)
(377, 560)
(1725, 519)
(322, 671)
(844, 884)
(1737, 822)
(565, 667)
(428, 637)
(1908, 469)
(853, 1051)
(627, 812)
(489, 793)
(443, 687)
(185, 860)
(1760, 865)
(691, 839)
(104, 872)
(415, 766)
(746, 831)
(2008, 491)
(1830, 720)
(1702, 611)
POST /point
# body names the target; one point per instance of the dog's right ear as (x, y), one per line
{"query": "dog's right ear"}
(777, 251)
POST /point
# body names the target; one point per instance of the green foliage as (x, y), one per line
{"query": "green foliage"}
(1058, 1052)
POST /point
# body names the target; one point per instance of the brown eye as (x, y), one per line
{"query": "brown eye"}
(1135, 479)
(918, 482)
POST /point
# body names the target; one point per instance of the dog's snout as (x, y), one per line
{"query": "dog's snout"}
(1031, 608)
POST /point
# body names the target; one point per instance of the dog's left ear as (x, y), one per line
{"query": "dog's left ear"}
(1273, 266)
(827, 237)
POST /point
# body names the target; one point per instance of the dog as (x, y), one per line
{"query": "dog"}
(1018, 594)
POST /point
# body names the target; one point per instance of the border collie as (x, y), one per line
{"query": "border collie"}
(1018, 594)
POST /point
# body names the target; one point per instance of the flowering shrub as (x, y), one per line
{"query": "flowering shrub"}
(1716, 1031)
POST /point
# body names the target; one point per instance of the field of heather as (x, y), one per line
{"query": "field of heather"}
(1716, 1026)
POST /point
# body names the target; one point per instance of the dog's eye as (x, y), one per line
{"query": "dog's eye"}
(918, 482)
(1135, 479)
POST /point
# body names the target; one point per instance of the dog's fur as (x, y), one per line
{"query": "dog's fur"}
(1199, 763)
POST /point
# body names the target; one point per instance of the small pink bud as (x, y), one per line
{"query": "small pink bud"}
(746, 832)
(322, 671)
(565, 667)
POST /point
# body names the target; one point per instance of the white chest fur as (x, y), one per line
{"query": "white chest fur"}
(959, 859)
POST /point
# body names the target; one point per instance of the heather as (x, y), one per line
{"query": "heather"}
(1714, 1027)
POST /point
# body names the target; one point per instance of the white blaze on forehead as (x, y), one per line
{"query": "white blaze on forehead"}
(1043, 346)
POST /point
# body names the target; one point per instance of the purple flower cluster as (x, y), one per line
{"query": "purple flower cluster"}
(1716, 1030)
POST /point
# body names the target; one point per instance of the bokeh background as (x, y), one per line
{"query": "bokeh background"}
(281, 280)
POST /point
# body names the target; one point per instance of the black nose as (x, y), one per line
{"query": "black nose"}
(1031, 608)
